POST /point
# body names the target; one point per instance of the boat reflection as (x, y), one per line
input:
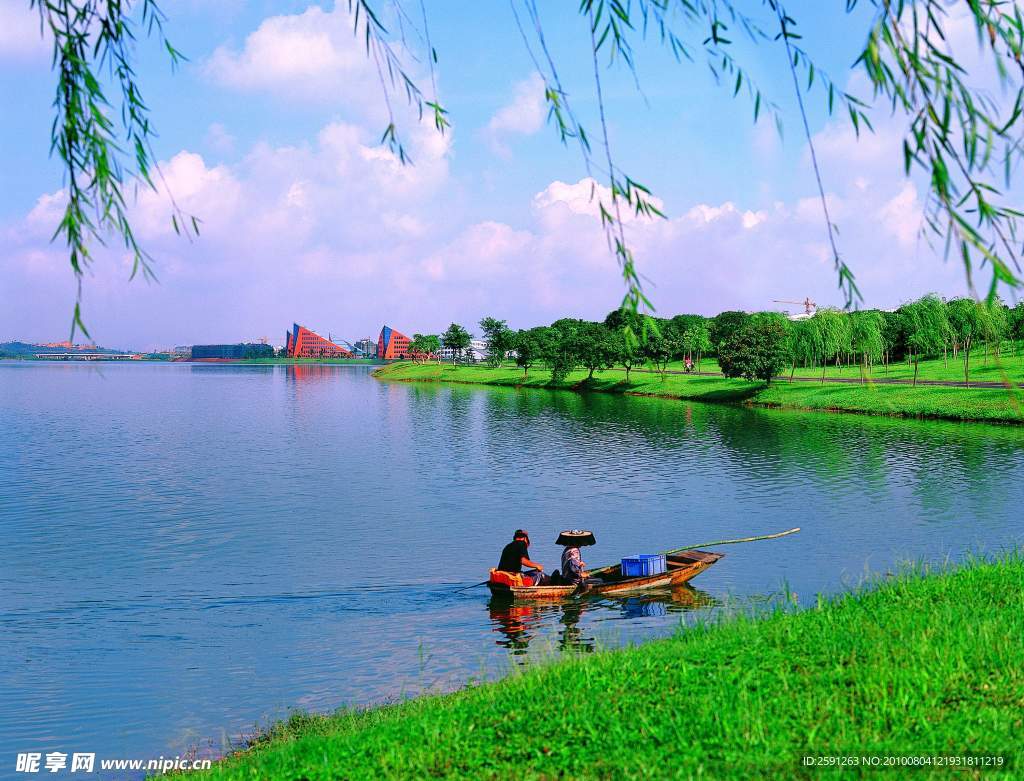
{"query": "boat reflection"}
(520, 623)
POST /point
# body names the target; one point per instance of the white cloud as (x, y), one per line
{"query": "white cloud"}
(523, 115)
(304, 232)
(47, 211)
(902, 215)
(219, 139)
(313, 56)
(560, 199)
(21, 37)
(336, 232)
(702, 214)
(482, 251)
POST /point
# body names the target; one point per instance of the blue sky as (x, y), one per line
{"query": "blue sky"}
(269, 135)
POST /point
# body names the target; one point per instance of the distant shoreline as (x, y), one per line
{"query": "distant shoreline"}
(288, 361)
(983, 405)
(207, 361)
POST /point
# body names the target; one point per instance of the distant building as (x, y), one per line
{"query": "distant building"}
(300, 342)
(392, 345)
(367, 348)
(201, 352)
(476, 352)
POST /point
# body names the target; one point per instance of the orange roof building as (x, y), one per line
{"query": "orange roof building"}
(392, 345)
(300, 342)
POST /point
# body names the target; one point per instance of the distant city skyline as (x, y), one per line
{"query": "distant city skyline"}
(269, 135)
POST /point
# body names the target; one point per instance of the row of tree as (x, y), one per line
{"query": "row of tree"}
(755, 346)
(927, 327)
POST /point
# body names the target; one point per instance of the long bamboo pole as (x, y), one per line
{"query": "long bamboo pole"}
(733, 542)
(715, 543)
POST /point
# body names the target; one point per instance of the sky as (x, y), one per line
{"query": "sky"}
(270, 134)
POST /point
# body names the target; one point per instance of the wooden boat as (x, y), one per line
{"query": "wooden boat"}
(680, 568)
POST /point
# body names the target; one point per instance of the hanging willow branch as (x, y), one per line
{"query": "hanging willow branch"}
(957, 131)
(92, 42)
(846, 281)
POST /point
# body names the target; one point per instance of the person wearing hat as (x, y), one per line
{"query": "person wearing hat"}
(573, 567)
(514, 558)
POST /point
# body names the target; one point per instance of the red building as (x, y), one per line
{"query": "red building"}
(392, 345)
(302, 343)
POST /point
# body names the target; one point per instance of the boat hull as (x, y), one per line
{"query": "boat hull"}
(681, 568)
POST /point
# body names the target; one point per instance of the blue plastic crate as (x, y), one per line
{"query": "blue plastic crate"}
(643, 565)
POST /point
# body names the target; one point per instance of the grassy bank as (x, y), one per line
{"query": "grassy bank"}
(984, 404)
(984, 367)
(924, 664)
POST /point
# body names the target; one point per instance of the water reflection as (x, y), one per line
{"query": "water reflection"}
(520, 623)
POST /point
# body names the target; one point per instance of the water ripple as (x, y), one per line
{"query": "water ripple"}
(190, 550)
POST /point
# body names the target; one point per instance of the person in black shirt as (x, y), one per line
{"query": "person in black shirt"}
(514, 557)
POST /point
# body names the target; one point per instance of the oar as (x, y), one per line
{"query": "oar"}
(467, 588)
(715, 543)
(481, 583)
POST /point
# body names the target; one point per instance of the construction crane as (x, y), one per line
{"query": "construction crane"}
(807, 304)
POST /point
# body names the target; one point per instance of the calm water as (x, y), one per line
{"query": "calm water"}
(189, 551)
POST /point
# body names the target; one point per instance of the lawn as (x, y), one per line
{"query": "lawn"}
(984, 367)
(982, 404)
(922, 665)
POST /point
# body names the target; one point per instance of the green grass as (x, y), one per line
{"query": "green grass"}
(997, 405)
(922, 664)
(1010, 366)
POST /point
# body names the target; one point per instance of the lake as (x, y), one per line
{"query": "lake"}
(192, 550)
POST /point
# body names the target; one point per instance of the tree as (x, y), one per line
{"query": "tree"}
(432, 345)
(498, 338)
(456, 339)
(530, 347)
(830, 335)
(661, 344)
(1015, 325)
(629, 351)
(620, 318)
(562, 353)
(422, 346)
(965, 322)
(894, 337)
(757, 351)
(866, 338)
(596, 347)
(696, 339)
(630, 331)
(994, 327)
(927, 328)
(684, 323)
(724, 325)
(803, 344)
(416, 347)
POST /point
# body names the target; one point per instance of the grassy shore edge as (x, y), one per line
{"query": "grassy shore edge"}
(987, 405)
(924, 663)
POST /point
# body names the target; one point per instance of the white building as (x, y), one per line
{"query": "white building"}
(475, 353)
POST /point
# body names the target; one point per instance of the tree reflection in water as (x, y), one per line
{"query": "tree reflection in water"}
(520, 624)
